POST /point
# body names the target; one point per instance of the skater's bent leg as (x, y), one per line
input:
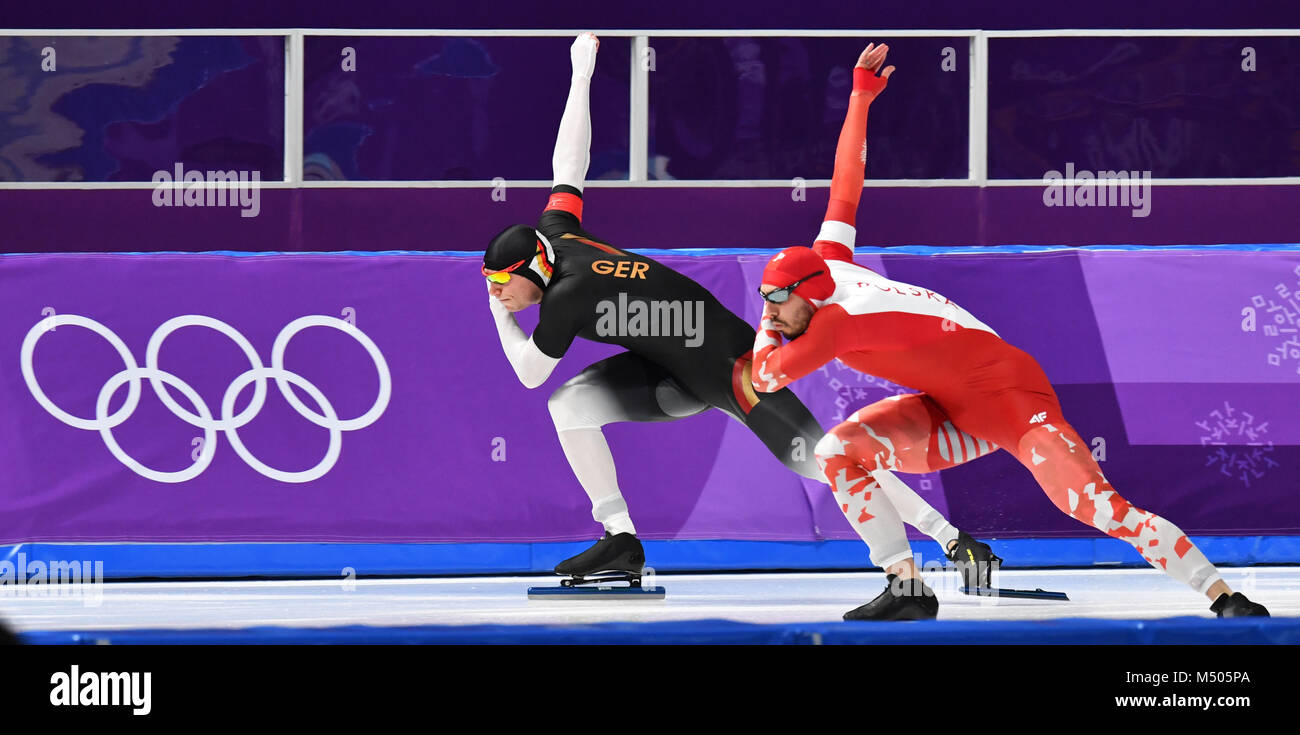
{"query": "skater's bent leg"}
(792, 434)
(621, 388)
(910, 433)
(593, 464)
(789, 430)
(867, 508)
(1063, 466)
(878, 438)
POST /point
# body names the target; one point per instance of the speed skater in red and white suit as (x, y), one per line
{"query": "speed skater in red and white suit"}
(977, 393)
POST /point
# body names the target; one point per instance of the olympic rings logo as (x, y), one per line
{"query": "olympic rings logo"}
(229, 422)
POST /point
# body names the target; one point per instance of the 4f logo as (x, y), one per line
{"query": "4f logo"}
(1038, 418)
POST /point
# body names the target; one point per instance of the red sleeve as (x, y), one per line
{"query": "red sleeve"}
(565, 202)
(830, 250)
(835, 241)
(777, 365)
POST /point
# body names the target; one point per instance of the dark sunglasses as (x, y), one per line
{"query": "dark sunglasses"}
(782, 295)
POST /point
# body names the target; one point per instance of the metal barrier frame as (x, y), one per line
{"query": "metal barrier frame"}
(638, 132)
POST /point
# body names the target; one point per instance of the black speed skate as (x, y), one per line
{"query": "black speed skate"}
(903, 599)
(975, 561)
(616, 558)
(1237, 606)
(613, 558)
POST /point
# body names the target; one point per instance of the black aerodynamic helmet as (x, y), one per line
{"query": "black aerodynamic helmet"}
(522, 251)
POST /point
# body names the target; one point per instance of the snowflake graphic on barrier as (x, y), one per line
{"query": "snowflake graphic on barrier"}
(1278, 315)
(854, 389)
(1242, 452)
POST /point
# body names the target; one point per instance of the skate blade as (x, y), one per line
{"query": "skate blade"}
(591, 591)
(1034, 594)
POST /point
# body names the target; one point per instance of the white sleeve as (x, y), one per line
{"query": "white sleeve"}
(572, 153)
(531, 365)
(835, 240)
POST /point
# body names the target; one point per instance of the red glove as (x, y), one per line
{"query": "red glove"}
(866, 82)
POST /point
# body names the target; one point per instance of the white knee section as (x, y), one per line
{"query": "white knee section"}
(577, 406)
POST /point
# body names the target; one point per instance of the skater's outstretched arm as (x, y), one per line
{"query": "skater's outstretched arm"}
(835, 240)
(572, 153)
(775, 366)
(563, 213)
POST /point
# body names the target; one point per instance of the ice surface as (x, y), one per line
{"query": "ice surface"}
(754, 598)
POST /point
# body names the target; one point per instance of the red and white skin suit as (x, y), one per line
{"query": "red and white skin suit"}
(977, 393)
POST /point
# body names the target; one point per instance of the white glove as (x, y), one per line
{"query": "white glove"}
(583, 55)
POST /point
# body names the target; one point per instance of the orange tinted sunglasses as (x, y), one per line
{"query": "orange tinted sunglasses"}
(503, 275)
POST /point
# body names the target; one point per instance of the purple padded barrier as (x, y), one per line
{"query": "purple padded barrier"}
(1167, 358)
